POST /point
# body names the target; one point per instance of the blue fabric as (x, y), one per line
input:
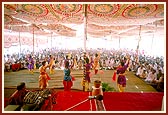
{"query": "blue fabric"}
(67, 76)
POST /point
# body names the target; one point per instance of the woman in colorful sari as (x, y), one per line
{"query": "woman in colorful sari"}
(51, 63)
(87, 74)
(67, 81)
(30, 64)
(121, 80)
(96, 63)
(43, 78)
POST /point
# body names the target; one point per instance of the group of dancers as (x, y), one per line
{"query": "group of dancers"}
(88, 64)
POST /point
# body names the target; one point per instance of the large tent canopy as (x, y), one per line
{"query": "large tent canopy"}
(34, 24)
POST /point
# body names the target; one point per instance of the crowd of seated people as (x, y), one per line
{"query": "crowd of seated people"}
(148, 68)
(152, 73)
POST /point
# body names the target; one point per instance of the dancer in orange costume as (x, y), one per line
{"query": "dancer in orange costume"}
(43, 78)
(51, 63)
(96, 65)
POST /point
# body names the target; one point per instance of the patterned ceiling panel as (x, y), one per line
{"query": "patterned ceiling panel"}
(67, 9)
(117, 18)
(139, 11)
(37, 10)
(103, 9)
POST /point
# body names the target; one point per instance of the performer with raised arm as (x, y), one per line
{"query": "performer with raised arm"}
(121, 80)
(43, 78)
(96, 65)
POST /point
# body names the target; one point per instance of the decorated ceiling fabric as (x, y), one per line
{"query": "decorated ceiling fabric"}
(102, 19)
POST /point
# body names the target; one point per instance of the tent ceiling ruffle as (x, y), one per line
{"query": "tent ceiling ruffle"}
(106, 18)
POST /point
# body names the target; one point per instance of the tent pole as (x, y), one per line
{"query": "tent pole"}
(139, 40)
(51, 41)
(33, 39)
(19, 43)
(153, 36)
(85, 26)
(119, 42)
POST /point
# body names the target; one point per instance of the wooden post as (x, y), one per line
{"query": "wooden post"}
(19, 43)
(139, 40)
(119, 42)
(51, 43)
(85, 26)
(33, 39)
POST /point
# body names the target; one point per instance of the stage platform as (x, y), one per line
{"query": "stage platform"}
(113, 101)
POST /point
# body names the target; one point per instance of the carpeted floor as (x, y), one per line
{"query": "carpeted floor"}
(113, 101)
(138, 95)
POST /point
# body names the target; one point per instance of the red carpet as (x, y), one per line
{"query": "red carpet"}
(112, 101)
(67, 99)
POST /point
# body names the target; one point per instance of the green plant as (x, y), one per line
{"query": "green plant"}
(106, 87)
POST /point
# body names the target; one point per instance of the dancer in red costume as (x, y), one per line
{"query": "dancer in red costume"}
(121, 80)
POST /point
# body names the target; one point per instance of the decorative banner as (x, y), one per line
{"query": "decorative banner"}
(102, 10)
(100, 33)
(139, 11)
(55, 27)
(67, 9)
(38, 10)
(42, 33)
(95, 27)
(22, 28)
(7, 45)
(11, 39)
(8, 39)
(41, 41)
(26, 40)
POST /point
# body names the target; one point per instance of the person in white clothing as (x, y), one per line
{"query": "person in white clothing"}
(140, 71)
(151, 76)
